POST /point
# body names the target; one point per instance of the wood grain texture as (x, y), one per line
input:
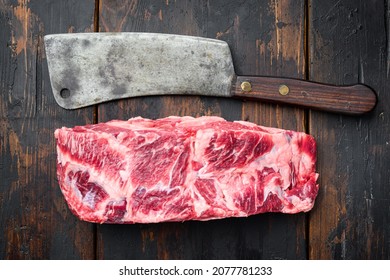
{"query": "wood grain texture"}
(35, 221)
(274, 41)
(348, 44)
(240, 24)
(351, 100)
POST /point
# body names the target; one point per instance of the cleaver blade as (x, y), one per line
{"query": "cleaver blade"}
(91, 68)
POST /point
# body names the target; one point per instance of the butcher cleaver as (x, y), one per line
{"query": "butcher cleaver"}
(90, 68)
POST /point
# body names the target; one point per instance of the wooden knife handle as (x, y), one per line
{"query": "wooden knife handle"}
(354, 100)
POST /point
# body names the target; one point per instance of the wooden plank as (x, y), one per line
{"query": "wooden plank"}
(278, 49)
(165, 240)
(349, 43)
(35, 221)
(258, 34)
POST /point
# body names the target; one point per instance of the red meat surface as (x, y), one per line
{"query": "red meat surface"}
(184, 168)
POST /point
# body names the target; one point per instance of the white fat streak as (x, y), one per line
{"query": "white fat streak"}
(96, 176)
(114, 144)
(278, 159)
(299, 205)
(202, 141)
(254, 127)
(224, 190)
(199, 203)
(272, 188)
(199, 122)
(301, 163)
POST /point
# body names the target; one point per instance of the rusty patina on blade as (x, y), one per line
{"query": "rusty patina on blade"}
(90, 68)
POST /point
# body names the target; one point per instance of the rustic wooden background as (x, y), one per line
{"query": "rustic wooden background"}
(337, 41)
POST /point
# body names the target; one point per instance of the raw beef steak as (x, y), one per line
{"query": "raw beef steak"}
(184, 168)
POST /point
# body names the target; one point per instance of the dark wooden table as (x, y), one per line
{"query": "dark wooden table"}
(339, 42)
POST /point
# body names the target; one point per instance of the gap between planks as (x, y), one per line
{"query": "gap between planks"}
(307, 111)
(95, 120)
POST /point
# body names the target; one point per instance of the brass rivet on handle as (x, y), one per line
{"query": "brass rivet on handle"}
(284, 90)
(246, 86)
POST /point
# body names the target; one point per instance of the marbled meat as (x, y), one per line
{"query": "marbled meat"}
(184, 168)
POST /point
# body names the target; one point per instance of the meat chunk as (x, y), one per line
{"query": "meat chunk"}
(184, 168)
